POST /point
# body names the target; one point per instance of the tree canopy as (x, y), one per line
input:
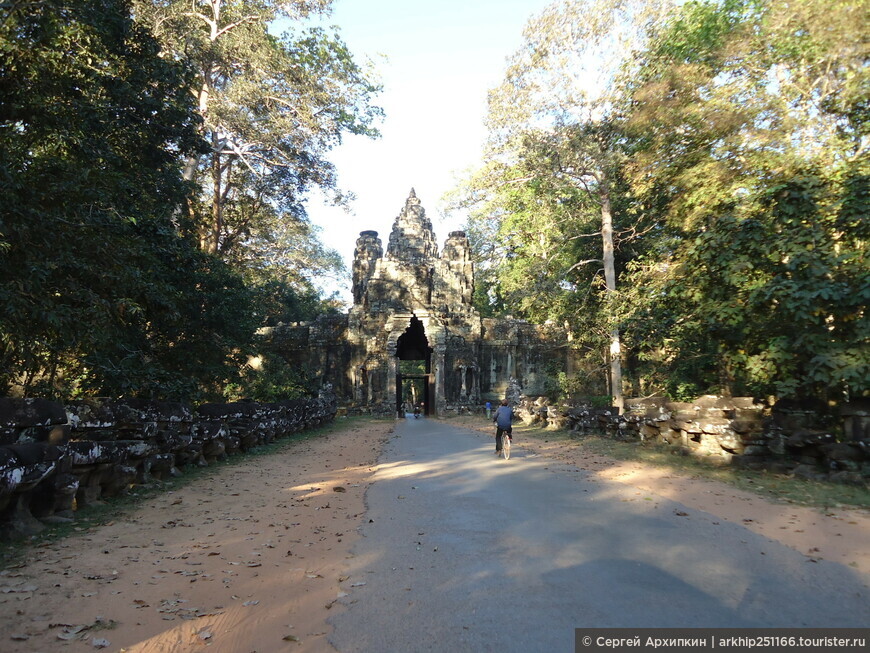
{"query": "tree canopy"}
(728, 141)
(102, 290)
(272, 107)
(112, 280)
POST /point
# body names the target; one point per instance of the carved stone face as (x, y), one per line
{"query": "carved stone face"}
(411, 276)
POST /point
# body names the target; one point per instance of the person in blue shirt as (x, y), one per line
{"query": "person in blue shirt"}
(503, 417)
(488, 410)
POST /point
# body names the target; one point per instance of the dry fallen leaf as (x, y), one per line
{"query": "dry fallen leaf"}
(19, 588)
(72, 632)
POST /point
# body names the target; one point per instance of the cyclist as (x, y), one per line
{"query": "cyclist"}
(502, 418)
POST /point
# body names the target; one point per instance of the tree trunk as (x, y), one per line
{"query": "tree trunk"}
(217, 209)
(610, 284)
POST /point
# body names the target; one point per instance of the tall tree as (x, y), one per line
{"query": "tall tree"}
(272, 108)
(750, 118)
(102, 291)
(560, 96)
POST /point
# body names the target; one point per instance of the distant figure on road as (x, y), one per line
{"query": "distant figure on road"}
(503, 417)
(488, 410)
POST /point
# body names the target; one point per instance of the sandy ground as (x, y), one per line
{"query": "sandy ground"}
(253, 558)
(837, 534)
(250, 559)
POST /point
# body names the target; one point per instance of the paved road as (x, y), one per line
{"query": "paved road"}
(468, 552)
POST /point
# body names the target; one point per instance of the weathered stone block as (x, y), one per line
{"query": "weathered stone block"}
(156, 467)
(688, 426)
(649, 431)
(730, 442)
(680, 407)
(23, 466)
(802, 438)
(714, 425)
(745, 425)
(842, 451)
(646, 407)
(20, 413)
(32, 420)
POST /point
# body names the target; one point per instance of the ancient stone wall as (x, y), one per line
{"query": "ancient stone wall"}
(522, 351)
(322, 348)
(786, 438)
(411, 303)
(57, 458)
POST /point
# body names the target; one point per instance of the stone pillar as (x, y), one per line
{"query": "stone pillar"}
(392, 370)
(439, 399)
(463, 392)
(358, 385)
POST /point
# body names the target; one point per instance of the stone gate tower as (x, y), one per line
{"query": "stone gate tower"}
(413, 320)
(411, 304)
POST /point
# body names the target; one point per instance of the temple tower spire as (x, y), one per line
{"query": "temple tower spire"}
(412, 239)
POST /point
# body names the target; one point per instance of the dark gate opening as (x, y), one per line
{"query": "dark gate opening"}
(413, 381)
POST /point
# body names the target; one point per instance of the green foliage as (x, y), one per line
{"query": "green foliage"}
(273, 379)
(535, 246)
(280, 302)
(730, 153)
(552, 190)
(104, 291)
(757, 283)
(272, 109)
(109, 286)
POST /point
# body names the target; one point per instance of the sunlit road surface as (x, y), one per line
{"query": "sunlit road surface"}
(463, 551)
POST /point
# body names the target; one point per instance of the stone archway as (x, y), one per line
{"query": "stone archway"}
(413, 368)
(413, 303)
(413, 345)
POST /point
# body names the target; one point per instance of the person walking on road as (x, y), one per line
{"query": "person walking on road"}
(503, 417)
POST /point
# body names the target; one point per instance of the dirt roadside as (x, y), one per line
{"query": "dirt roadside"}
(253, 558)
(249, 559)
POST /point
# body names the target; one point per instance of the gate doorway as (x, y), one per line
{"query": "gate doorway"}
(413, 390)
(414, 379)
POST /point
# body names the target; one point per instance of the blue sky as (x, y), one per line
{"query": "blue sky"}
(441, 59)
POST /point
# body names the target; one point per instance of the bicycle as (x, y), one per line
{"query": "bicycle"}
(506, 445)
